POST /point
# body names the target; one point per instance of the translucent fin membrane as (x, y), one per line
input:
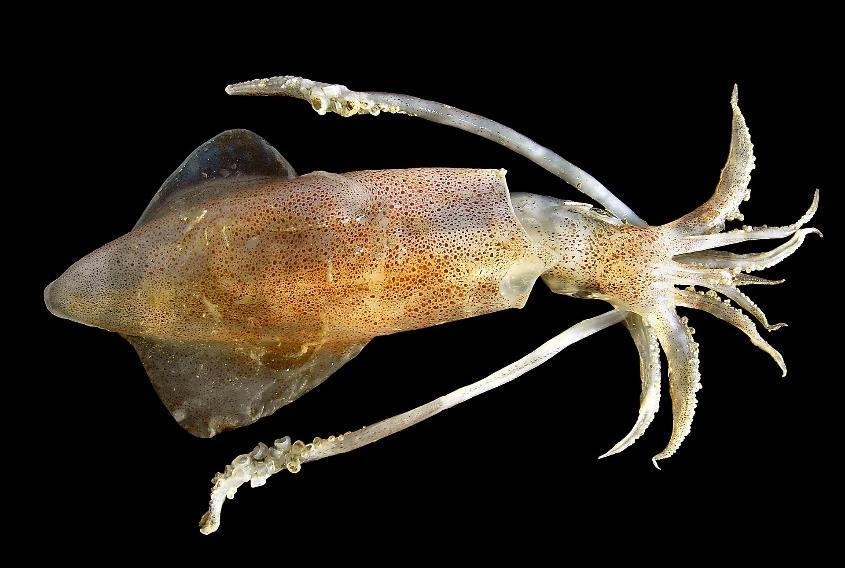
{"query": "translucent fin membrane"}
(338, 99)
(264, 461)
(228, 156)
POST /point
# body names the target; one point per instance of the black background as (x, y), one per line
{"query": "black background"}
(116, 115)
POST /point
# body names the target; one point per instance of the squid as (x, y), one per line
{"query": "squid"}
(244, 285)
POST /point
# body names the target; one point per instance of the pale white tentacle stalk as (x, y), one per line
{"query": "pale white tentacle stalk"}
(695, 243)
(325, 97)
(649, 350)
(264, 461)
(749, 262)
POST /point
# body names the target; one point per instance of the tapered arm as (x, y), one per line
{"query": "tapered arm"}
(264, 461)
(338, 99)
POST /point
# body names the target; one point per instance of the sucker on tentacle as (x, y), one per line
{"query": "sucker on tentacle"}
(710, 303)
(695, 242)
(675, 336)
(747, 304)
(725, 283)
(649, 350)
(750, 262)
(732, 189)
(741, 279)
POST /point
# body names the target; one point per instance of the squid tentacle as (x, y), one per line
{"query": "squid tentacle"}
(723, 282)
(732, 189)
(649, 350)
(264, 461)
(711, 304)
(749, 262)
(750, 280)
(338, 99)
(681, 351)
(747, 304)
(695, 243)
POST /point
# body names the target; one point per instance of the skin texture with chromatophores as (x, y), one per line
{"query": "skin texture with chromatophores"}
(243, 286)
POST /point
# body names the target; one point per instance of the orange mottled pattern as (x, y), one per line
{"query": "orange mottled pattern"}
(316, 259)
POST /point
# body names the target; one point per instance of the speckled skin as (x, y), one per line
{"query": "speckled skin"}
(247, 291)
(321, 258)
(591, 254)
